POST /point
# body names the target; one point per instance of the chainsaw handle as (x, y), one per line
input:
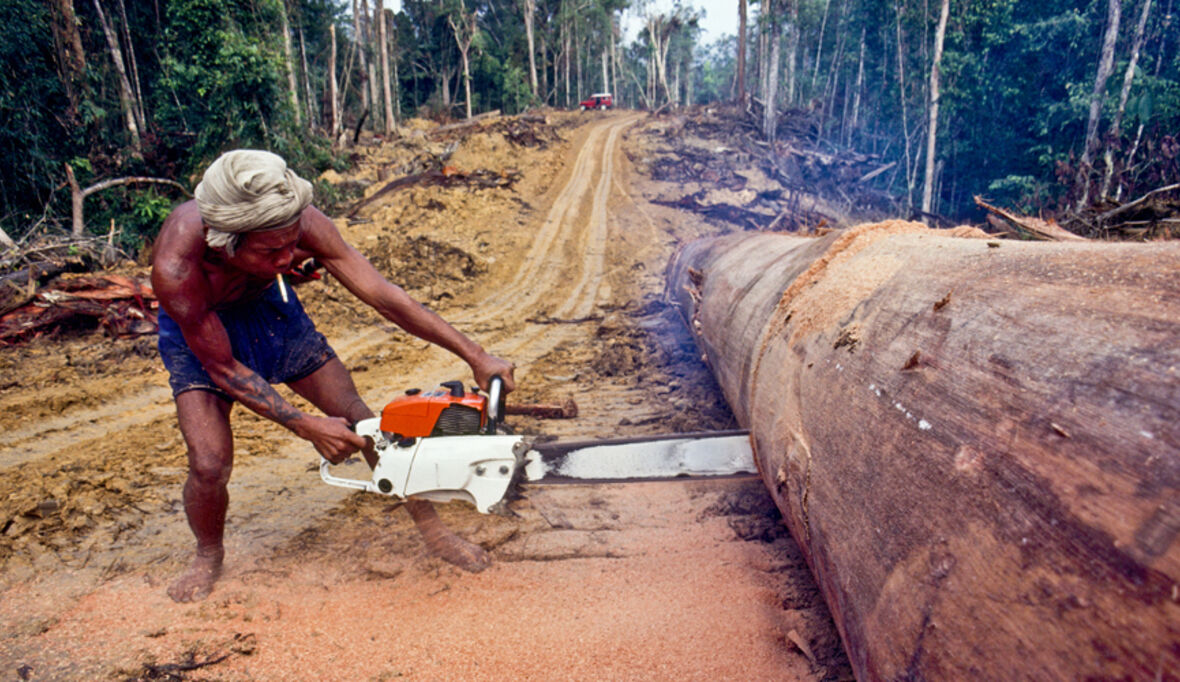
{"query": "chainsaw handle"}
(495, 403)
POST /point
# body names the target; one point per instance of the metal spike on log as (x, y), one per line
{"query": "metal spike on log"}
(975, 442)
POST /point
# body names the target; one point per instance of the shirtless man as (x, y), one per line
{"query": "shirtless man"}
(227, 334)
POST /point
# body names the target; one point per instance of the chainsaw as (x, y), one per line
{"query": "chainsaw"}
(445, 444)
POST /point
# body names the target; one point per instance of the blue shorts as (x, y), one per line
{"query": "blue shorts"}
(275, 339)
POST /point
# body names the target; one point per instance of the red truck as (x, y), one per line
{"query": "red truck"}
(599, 100)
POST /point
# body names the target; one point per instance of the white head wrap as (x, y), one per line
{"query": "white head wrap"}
(248, 190)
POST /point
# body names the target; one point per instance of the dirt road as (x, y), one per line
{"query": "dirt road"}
(563, 275)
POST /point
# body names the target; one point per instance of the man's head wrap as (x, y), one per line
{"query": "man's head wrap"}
(248, 190)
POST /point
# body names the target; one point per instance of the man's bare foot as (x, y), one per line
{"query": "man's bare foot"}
(197, 582)
(442, 541)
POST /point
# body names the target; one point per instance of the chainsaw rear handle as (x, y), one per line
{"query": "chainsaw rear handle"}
(496, 397)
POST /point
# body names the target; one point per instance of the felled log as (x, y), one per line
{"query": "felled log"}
(976, 443)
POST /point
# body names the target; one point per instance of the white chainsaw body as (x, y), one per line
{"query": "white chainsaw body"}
(476, 468)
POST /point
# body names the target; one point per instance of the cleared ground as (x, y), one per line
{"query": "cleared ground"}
(563, 274)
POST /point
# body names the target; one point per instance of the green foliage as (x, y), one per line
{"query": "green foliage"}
(34, 115)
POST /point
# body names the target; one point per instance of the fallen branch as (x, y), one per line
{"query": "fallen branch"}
(1032, 227)
(78, 195)
(1105, 217)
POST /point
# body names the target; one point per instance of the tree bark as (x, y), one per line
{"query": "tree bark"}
(981, 466)
(1105, 67)
(932, 127)
(71, 57)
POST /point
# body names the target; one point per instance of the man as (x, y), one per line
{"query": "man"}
(228, 331)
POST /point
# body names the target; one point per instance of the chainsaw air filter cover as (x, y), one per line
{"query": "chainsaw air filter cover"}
(445, 411)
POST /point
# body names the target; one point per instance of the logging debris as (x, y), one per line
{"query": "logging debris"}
(447, 176)
(797, 183)
(123, 306)
(1153, 216)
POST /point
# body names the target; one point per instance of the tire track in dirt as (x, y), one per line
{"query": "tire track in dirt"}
(569, 246)
(75, 428)
(564, 264)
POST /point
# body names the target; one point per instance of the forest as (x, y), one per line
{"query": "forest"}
(1055, 108)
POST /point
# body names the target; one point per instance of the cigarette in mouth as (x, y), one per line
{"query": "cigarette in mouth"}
(282, 287)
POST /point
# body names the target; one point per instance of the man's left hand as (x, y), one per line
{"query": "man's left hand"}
(488, 366)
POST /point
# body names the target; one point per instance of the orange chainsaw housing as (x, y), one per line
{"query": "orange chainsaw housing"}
(446, 410)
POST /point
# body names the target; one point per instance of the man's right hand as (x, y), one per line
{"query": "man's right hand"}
(331, 436)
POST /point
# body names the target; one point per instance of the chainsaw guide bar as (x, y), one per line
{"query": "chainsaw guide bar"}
(421, 456)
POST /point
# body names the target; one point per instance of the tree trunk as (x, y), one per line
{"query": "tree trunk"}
(740, 78)
(932, 127)
(126, 97)
(1105, 67)
(530, 11)
(5, 240)
(308, 96)
(292, 79)
(137, 91)
(905, 116)
(792, 86)
(464, 30)
(770, 94)
(819, 46)
(856, 90)
(332, 94)
(362, 47)
(981, 466)
(383, 42)
(1128, 78)
(71, 57)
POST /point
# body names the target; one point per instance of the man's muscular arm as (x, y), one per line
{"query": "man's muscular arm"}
(184, 292)
(360, 277)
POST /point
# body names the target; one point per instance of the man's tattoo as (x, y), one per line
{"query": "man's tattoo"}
(261, 397)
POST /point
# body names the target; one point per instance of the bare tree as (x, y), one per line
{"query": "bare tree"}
(288, 53)
(530, 11)
(770, 94)
(332, 94)
(932, 127)
(1128, 78)
(465, 31)
(126, 96)
(905, 116)
(382, 30)
(740, 78)
(1105, 67)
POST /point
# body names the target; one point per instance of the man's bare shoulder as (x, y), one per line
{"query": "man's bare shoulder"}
(181, 237)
